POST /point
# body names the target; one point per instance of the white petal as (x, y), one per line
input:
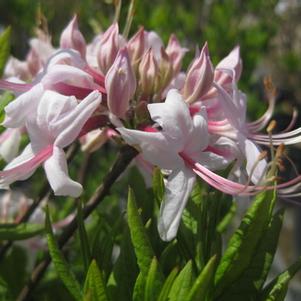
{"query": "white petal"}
(177, 191)
(57, 174)
(155, 148)
(173, 116)
(23, 107)
(71, 124)
(252, 153)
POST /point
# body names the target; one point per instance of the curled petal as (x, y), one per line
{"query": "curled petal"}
(57, 174)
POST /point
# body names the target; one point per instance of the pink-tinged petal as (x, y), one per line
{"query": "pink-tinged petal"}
(9, 144)
(15, 67)
(67, 57)
(108, 48)
(42, 48)
(23, 107)
(155, 148)
(135, 46)
(199, 77)
(252, 153)
(178, 188)
(175, 52)
(68, 75)
(148, 71)
(70, 125)
(153, 41)
(230, 110)
(173, 116)
(72, 38)
(57, 174)
(120, 84)
(231, 62)
(23, 166)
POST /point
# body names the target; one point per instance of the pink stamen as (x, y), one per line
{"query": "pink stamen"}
(29, 165)
(98, 78)
(15, 87)
(69, 90)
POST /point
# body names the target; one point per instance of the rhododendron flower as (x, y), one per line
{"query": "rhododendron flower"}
(57, 123)
(180, 135)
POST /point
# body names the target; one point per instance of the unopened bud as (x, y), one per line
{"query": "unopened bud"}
(165, 71)
(120, 83)
(135, 47)
(148, 71)
(72, 38)
(108, 48)
(175, 53)
(199, 77)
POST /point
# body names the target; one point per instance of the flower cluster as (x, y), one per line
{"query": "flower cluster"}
(188, 123)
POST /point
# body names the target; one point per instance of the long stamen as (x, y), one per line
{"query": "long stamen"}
(15, 87)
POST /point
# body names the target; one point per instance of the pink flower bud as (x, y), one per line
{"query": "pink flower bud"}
(120, 83)
(135, 46)
(199, 77)
(108, 48)
(148, 71)
(176, 53)
(71, 37)
(165, 71)
(153, 40)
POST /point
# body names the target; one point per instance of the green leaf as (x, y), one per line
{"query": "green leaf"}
(277, 288)
(60, 264)
(182, 284)
(4, 48)
(153, 282)
(95, 287)
(168, 285)
(139, 288)
(122, 279)
(253, 278)
(158, 185)
(19, 232)
(243, 243)
(140, 240)
(203, 282)
(83, 237)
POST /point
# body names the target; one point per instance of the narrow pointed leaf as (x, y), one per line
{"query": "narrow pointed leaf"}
(253, 278)
(277, 288)
(20, 232)
(140, 240)
(153, 282)
(61, 266)
(243, 243)
(139, 288)
(167, 285)
(95, 287)
(182, 284)
(203, 282)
